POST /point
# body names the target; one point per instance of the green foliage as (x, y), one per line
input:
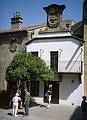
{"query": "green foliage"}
(24, 66)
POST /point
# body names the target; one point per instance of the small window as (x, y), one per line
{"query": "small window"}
(34, 89)
(34, 54)
(67, 25)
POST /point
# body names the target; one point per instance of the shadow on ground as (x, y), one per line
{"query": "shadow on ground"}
(19, 113)
(10, 114)
(78, 114)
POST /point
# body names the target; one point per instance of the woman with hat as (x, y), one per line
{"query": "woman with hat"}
(15, 101)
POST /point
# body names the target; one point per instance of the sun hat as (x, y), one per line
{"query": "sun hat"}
(17, 94)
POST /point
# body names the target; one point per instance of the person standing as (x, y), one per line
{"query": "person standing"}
(49, 95)
(20, 102)
(15, 101)
(26, 102)
(84, 104)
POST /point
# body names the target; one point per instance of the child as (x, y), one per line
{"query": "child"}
(15, 100)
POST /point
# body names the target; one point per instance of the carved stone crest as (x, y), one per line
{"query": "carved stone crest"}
(53, 20)
(54, 16)
(13, 45)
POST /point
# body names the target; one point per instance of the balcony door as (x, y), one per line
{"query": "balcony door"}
(54, 60)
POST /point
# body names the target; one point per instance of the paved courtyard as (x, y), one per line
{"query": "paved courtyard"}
(40, 112)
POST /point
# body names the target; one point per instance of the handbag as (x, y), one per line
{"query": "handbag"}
(47, 94)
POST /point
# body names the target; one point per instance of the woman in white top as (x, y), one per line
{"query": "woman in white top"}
(15, 100)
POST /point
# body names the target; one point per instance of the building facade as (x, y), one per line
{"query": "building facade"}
(59, 44)
(62, 53)
(85, 45)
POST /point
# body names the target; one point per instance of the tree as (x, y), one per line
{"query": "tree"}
(25, 66)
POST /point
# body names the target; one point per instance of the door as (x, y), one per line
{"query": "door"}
(55, 91)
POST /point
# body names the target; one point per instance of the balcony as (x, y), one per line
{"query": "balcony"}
(70, 66)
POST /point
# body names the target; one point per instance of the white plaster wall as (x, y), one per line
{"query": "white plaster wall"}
(70, 92)
(69, 51)
(70, 48)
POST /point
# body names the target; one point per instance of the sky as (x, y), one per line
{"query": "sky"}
(32, 11)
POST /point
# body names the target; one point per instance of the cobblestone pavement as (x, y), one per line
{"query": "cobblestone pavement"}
(55, 112)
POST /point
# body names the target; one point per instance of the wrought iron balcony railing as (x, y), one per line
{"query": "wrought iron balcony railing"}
(68, 66)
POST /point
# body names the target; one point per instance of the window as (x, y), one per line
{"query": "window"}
(34, 90)
(54, 60)
(34, 54)
(67, 25)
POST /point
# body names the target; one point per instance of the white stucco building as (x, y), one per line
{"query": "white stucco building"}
(63, 52)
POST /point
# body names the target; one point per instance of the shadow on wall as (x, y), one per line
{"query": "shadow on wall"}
(78, 114)
(68, 90)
